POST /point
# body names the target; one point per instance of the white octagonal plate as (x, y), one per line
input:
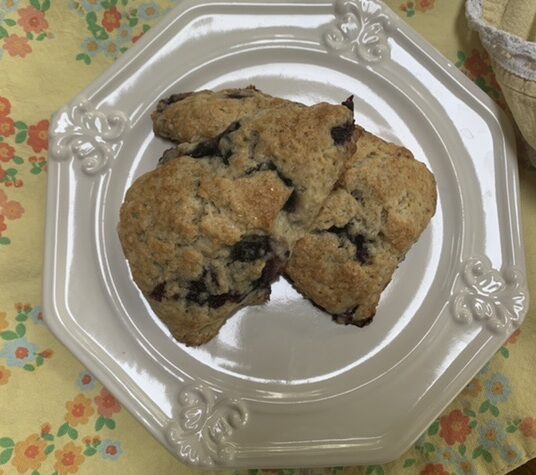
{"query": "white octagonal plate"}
(282, 385)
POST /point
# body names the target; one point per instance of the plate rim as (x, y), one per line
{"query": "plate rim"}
(51, 305)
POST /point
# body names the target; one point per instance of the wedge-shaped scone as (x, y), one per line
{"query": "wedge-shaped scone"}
(198, 260)
(199, 116)
(207, 232)
(382, 204)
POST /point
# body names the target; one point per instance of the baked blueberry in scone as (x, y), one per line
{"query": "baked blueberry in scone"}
(381, 205)
(207, 232)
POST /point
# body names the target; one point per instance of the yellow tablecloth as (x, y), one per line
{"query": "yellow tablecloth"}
(54, 417)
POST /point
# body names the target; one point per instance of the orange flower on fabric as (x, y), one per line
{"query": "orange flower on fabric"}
(2, 173)
(38, 136)
(17, 45)
(476, 64)
(137, 37)
(5, 106)
(424, 5)
(404, 7)
(21, 353)
(32, 20)
(79, 410)
(434, 469)
(29, 454)
(45, 428)
(3, 321)
(454, 427)
(4, 375)
(513, 337)
(466, 467)
(107, 405)
(528, 427)
(7, 152)
(11, 209)
(111, 19)
(473, 389)
(68, 459)
(7, 126)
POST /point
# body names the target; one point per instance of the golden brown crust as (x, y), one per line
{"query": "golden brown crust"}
(203, 115)
(384, 200)
(297, 142)
(255, 200)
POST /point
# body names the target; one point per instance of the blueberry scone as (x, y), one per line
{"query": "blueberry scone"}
(199, 116)
(381, 205)
(198, 260)
(207, 232)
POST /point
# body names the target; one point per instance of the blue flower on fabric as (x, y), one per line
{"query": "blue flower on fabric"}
(446, 455)
(86, 381)
(37, 315)
(497, 388)
(110, 449)
(111, 49)
(91, 46)
(19, 352)
(8, 7)
(511, 454)
(149, 11)
(491, 435)
(92, 5)
(123, 35)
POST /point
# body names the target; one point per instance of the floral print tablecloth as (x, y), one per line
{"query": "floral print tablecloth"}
(55, 418)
